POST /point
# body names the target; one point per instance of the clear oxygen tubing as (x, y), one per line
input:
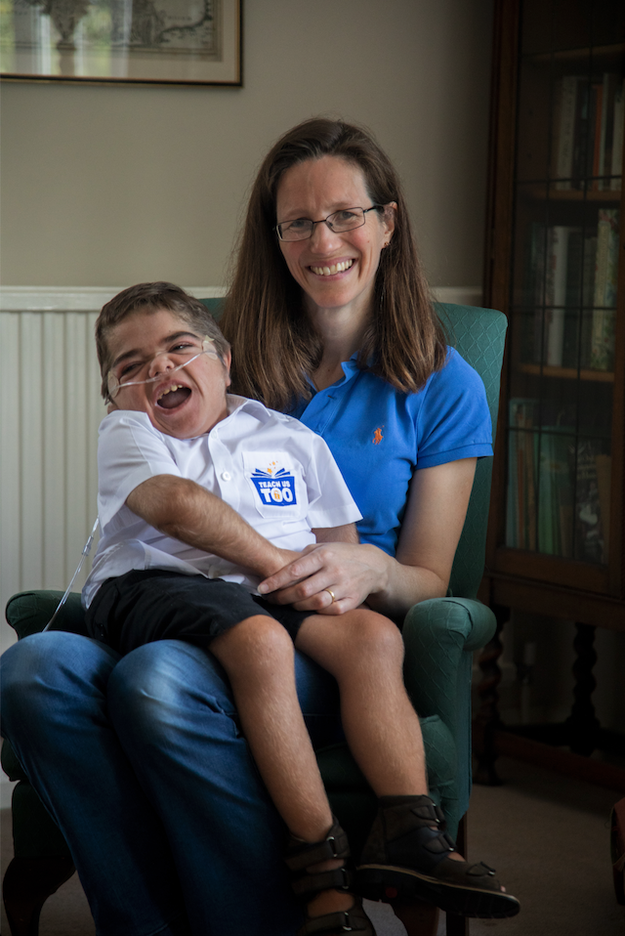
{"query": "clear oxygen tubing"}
(85, 552)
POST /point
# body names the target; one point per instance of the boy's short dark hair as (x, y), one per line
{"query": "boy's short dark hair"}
(152, 297)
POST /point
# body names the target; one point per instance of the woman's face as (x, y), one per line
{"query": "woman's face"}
(334, 270)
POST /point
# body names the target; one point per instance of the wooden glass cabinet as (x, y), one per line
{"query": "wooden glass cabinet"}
(555, 264)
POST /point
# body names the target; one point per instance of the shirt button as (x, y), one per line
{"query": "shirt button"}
(226, 476)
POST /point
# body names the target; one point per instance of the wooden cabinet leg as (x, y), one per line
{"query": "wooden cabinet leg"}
(582, 725)
(487, 718)
(28, 883)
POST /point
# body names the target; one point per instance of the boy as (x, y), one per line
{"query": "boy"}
(176, 454)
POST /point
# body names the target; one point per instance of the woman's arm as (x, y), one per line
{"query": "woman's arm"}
(186, 511)
(435, 513)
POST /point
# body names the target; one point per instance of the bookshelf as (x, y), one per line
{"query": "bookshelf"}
(555, 264)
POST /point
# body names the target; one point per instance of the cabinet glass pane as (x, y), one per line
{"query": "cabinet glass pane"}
(564, 271)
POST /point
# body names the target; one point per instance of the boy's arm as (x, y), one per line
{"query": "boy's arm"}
(186, 511)
(341, 534)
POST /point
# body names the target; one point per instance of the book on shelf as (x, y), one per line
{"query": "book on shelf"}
(521, 502)
(603, 464)
(588, 132)
(617, 142)
(558, 495)
(567, 126)
(611, 83)
(555, 492)
(604, 299)
(596, 111)
(592, 500)
(560, 264)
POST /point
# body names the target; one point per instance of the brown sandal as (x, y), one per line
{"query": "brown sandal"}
(307, 884)
(406, 855)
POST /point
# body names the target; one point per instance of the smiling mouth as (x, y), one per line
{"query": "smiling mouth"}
(173, 396)
(331, 270)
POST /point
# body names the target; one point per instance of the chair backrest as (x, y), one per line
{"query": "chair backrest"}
(479, 336)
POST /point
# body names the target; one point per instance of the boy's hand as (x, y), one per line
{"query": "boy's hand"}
(287, 556)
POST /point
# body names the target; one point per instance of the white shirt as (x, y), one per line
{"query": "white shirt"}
(274, 471)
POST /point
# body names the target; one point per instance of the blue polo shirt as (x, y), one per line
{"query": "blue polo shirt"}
(380, 436)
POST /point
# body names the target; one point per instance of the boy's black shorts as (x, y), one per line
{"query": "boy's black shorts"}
(142, 606)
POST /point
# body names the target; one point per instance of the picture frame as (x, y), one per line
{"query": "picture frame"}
(173, 42)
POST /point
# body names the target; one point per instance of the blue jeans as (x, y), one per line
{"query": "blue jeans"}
(141, 763)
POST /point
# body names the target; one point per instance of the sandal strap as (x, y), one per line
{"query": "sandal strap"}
(422, 807)
(301, 855)
(348, 921)
(410, 823)
(310, 884)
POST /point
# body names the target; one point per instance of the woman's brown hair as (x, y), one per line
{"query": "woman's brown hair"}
(275, 345)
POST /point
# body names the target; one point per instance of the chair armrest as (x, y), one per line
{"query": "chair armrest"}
(29, 612)
(440, 636)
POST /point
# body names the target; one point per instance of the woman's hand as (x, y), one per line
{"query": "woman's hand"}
(430, 531)
(348, 570)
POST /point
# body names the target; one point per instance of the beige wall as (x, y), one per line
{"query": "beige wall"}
(106, 186)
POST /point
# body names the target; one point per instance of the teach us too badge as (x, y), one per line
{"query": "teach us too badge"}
(275, 485)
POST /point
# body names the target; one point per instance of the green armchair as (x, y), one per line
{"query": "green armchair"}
(440, 636)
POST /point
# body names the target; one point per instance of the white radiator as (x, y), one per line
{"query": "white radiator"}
(50, 413)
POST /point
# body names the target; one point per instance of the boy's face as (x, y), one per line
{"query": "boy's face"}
(184, 404)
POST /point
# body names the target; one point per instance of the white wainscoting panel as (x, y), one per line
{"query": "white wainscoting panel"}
(50, 413)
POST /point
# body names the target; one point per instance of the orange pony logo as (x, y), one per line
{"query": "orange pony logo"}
(377, 435)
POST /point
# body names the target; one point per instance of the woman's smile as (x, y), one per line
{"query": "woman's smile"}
(332, 269)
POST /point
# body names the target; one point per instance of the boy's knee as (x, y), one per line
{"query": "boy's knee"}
(379, 635)
(254, 642)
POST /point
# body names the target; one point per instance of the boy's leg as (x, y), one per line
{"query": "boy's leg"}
(364, 651)
(258, 656)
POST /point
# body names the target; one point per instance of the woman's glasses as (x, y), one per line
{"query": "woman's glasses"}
(347, 219)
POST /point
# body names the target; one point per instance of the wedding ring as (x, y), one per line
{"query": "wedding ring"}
(331, 594)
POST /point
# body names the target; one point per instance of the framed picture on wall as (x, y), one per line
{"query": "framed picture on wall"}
(182, 42)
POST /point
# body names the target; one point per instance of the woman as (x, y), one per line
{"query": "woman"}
(169, 825)
(295, 336)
